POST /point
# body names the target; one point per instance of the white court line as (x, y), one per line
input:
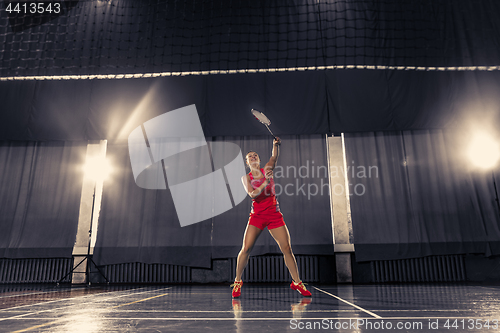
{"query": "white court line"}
(44, 292)
(29, 294)
(490, 288)
(354, 305)
(56, 309)
(210, 318)
(422, 310)
(284, 311)
(66, 299)
(263, 311)
(263, 318)
(230, 311)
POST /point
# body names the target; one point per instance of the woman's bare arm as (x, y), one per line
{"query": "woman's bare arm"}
(254, 193)
(274, 156)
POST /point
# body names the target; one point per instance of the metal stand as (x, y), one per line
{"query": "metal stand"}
(88, 257)
(496, 192)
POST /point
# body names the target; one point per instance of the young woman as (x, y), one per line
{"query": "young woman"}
(259, 185)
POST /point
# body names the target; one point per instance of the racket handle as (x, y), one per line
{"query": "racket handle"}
(274, 136)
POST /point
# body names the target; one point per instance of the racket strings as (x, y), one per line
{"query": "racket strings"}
(261, 117)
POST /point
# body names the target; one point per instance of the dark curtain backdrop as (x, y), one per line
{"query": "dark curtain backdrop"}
(297, 103)
(137, 225)
(422, 196)
(41, 185)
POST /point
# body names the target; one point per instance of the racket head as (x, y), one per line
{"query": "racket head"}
(261, 117)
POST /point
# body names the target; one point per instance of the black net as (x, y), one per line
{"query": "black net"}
(170, 37)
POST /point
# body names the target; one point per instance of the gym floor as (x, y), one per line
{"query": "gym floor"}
(261, 308)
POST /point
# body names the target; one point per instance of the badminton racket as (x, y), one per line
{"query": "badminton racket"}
(263, 119)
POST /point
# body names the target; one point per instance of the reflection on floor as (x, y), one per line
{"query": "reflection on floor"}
(261, 308)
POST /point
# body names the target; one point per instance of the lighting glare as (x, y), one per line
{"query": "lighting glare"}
(97, 168)
(484, 151)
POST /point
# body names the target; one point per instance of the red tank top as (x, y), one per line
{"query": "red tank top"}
(266, 200)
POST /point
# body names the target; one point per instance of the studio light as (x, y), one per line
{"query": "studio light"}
(97, 168)
(483, 151)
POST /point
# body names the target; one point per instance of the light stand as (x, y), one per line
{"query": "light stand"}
(496, 192)
(88, 257)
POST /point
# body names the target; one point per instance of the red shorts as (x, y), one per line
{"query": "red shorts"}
(270, 220)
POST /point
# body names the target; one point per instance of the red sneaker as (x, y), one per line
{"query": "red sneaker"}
(300, 288)
(237, 288)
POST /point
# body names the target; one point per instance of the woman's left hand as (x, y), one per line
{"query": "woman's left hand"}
(277, 141)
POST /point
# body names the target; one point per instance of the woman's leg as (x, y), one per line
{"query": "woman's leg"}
(282, 237)
(251, 234)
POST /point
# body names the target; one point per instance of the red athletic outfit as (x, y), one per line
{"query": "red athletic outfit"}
(265, 208)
